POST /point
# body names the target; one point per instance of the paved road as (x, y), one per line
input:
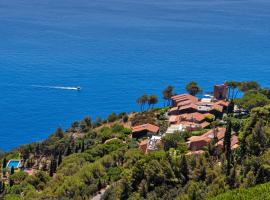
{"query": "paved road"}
(101, 192)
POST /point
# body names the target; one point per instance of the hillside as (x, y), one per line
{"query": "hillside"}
(143, 156)
(258, 192)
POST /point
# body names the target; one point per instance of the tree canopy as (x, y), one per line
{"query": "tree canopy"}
(193, 88)
(252, 99)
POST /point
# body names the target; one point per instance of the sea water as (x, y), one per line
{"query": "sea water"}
(117, 50)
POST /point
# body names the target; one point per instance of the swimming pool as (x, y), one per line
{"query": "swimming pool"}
(14, 163)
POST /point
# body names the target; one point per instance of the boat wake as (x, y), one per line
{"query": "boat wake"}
(57, 87)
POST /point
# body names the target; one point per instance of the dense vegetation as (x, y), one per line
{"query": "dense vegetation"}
(261, 191)
(89, 156)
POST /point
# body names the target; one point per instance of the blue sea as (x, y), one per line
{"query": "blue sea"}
(117, 50)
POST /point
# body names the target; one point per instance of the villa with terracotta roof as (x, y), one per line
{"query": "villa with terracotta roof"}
(183, 99)
(198, 143)
(187, 121)
(192, 117)
(144, 130)
(186, 103)
(234, 143)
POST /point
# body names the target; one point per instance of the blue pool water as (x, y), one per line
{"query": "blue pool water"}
(13, 163)
(117, 50)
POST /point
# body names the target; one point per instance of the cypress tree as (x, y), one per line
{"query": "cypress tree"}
(183, 169)
(82, 150)
(227, 145)
(231, 179)
(202, 175)
(260, 177)
(230, 107)
(193, 195)
(76, 148)
(52, 167)
(3, 186)
(4, 163)
(68, 151)
(99, 185)
(11, 182)
(12, 170)
(37, 149)
(59, 133)
(59, 158)
(125, 192)
(211, 147)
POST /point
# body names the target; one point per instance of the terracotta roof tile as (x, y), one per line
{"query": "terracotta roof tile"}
(234, 142)
(188, 106)
(174, 118)
(184, 97)
(184, 103)
(208, 136)
(218, 107)
(222, 103)
(192, 117)
(149, 127)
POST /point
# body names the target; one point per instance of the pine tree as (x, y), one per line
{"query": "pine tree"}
(167, 94)
(88, 121)
(74, 126)
(193, 88)
(250, 179)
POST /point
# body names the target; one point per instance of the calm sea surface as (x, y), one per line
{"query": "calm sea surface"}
(117, 50)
